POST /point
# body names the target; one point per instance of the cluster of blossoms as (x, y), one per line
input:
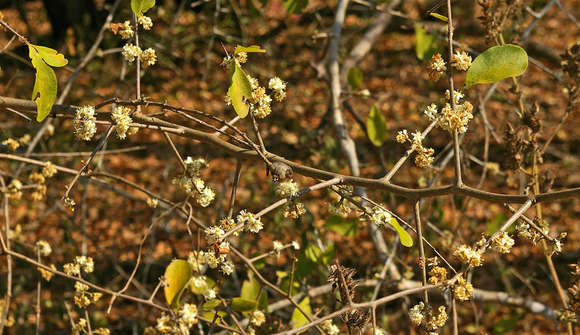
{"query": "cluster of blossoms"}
(449, 119)
(121, 117)
(83, 297)
(199, 261)
(257, 318)
(436, 67)
(84, 123)
(81, 328)
(43, 248)
(13, 144)
(131, 52)
(469, 256)
(461, 61)
(69, 203)
(13, 190)
(330, 328)
(463, 290)
(426, 318)
(278, 86)
(379, 216)
(502, 243)
(424, 155)
(190, 181)
(340, 206)
(186, 318)
(40, 188)
(278, 246)
(293, 209)
(287, 189)
(83, 263)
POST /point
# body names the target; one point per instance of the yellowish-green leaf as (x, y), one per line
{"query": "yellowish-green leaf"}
(440, 17)
(211, 304)
(497, 63)
(295, 6)
(251, 48)
(424, 43)
(240, 88)
(243, 305)
(298, 319)
(139, 7)
(252, 290)
(177, 276)
(50, 56)
(342, 226)
(376, 127)
(355, 77)
(45, 85)
(405, 238)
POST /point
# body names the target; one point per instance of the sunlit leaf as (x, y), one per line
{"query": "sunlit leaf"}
(211, 304)
(243, 305)
(177, 276)
(50, 56)
(440, 17)
(424, 43)
(295, 6)
(405, 238)
(252, 290)
(251, 48)
(298, 319)
(240, 88)
(497, 63)
(139, 7)
(45, 85)
(355, 77)
(376, 127)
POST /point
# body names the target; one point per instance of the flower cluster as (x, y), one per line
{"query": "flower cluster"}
(502, 243)
(11, 143)
(380, 216)
(14, 190)
(83, 263)
(40, 187)
(278, 87)
(449, 119)
(463, 290)
(293, 210)
(424, 155)
(126, 30)
(199, 261)
(131, 52)
(287, 189)
(426, 318)
(81, 327)
(84, 123)
(437, 275)
(330, 328)
(436, 67)
(461, 61)
(186, 318)
(145, 22)
(121, 117)
(250, 221)
(190, 181)
(260, 101)
(200, 285)
(48, 170)
(83, 297)
(43, 248)
(469, 256)
(257, 318)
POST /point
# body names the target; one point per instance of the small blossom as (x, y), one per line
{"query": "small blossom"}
(250, 221)
(72, 269)
(214, 234)
(287, 189)
(380, 217)
(47, 275)
(469, 256)
(241, 57)
(145, 22)
(209, 294)
(330, 328)
(152, 202)
(416, 313)
(227, 267)
(431, 112)
(48, 170)
(148, 57)
(463, 290)
(436, 67)
(279, 87)
(11, 143)
(126, 30)
(188, 314)
(437, 275)
(503, 243)
(122, 120)
(257, 318)
(84, 123)
(43, 248)
(131, 52)
(69, 203)
(295, 245)
(278, 246)
(86, 263)
(211, 259)
(206, 196)
(461, 61)
(293, 210)
(402, 136)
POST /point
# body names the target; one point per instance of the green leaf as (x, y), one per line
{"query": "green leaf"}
(50, 56)
(295, 6)
(497, 63)
(45, 85)
(376, 127)
(251, 48)
(506, 324)
(355, 77)
(139, 7)
(341, 226)
(405, 238)
(298, 319)
(211, 304)
(424, 43)
(440, 17)
(177, 276)
(252, 290)
(240, 88)
(317, 256)
(495, 223)
(243, 305)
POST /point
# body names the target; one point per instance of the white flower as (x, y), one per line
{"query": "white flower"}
(416, 313)
(278, 247)
(84, 123)
(145, 21)
(276, 84)
(209, 294)
(148, 57)
(49, 170)
(227, 267)
(431, 112)
(257, 318)
(330, 327)
(122, 120)
(43, 248)
(461, 61)
(250, 221)
(131, 52)
(287, 189)
(380, 217)
(295, 245)
(503, 243)
(211, 259)
(86, 263)
(188, 314)
(126, 30)
(214, 234)
(469, 256)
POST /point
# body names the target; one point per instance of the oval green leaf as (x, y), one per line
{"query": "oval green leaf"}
(50, 56)
(355, 77)
(251, 48)
(45, 85)
(341, 226)
(177, 276)
(139, 7)
(243, 305)
(424, 43)
(298, 319)
(376, 127)
(497, 63)
(405, 238)
(240, 88)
